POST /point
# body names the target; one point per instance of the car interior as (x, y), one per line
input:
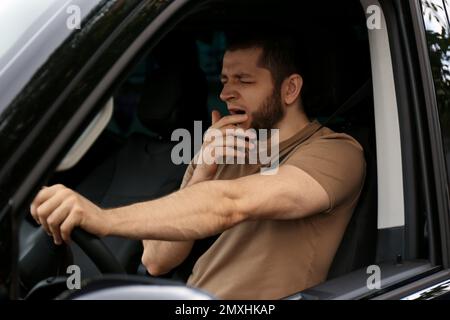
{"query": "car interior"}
(178, 82)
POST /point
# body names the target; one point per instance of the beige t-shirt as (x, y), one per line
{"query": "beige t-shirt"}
(271, 259)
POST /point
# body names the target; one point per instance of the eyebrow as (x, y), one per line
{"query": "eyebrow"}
(237, 75)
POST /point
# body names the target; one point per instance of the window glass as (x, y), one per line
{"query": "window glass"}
(436, 18)
(31, 31)
(12, 11)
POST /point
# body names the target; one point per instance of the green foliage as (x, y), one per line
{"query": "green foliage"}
(439, 52)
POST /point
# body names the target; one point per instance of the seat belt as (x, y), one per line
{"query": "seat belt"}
(349, 104)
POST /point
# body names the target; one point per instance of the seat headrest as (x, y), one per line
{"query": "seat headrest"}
(175, 90)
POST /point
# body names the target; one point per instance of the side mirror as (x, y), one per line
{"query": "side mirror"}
(88, 137)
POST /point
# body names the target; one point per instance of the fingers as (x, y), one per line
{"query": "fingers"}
(229, 130)
(57, 217)
(230, 120)
(47, 207)
(50, 207)
(234, 142)
(68, 225)
(45, 194)
(227, 142)
(47, 200)
(215, 116)
(213, 133)
(221, 150)
(224, 134)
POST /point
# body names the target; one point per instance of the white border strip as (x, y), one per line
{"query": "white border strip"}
(391, 211)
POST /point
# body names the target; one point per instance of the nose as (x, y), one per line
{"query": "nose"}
(228, 93)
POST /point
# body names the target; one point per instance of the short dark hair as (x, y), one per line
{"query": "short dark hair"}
(281, 54)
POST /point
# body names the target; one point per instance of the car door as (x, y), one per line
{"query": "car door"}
(57, 78)
(413, 224)
(433, 39)
(431, 32)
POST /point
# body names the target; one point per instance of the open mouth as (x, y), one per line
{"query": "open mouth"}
(236, 111)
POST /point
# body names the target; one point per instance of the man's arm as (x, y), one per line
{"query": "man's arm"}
(210, 207)
(160, 257)
(203, 209)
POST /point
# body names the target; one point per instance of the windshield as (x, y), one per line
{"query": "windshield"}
(25, 11)
(31, 30)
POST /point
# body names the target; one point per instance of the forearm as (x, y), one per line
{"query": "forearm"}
(196, 212)
(159, 257)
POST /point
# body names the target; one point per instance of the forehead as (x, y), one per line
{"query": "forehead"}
(241, 60)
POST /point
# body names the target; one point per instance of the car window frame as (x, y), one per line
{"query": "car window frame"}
(150, 20)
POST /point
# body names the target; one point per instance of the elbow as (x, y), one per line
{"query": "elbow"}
(154, 268)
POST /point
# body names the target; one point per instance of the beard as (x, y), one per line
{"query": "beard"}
(269, 113)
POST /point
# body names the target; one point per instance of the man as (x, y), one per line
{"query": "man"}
(278, 233)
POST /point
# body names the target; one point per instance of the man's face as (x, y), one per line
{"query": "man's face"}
(248, 88)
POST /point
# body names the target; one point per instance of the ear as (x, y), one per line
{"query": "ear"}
(291, 88)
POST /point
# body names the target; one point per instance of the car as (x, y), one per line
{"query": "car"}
(92, 90)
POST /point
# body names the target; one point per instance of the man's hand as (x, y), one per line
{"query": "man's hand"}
(229, 143)
(59, 210)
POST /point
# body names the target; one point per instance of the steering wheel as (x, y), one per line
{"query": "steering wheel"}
(36, 244)
(97, 251)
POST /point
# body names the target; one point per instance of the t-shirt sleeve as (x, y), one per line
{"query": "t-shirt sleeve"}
(336, 163)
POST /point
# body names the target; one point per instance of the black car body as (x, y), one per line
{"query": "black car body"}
(55, 80)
